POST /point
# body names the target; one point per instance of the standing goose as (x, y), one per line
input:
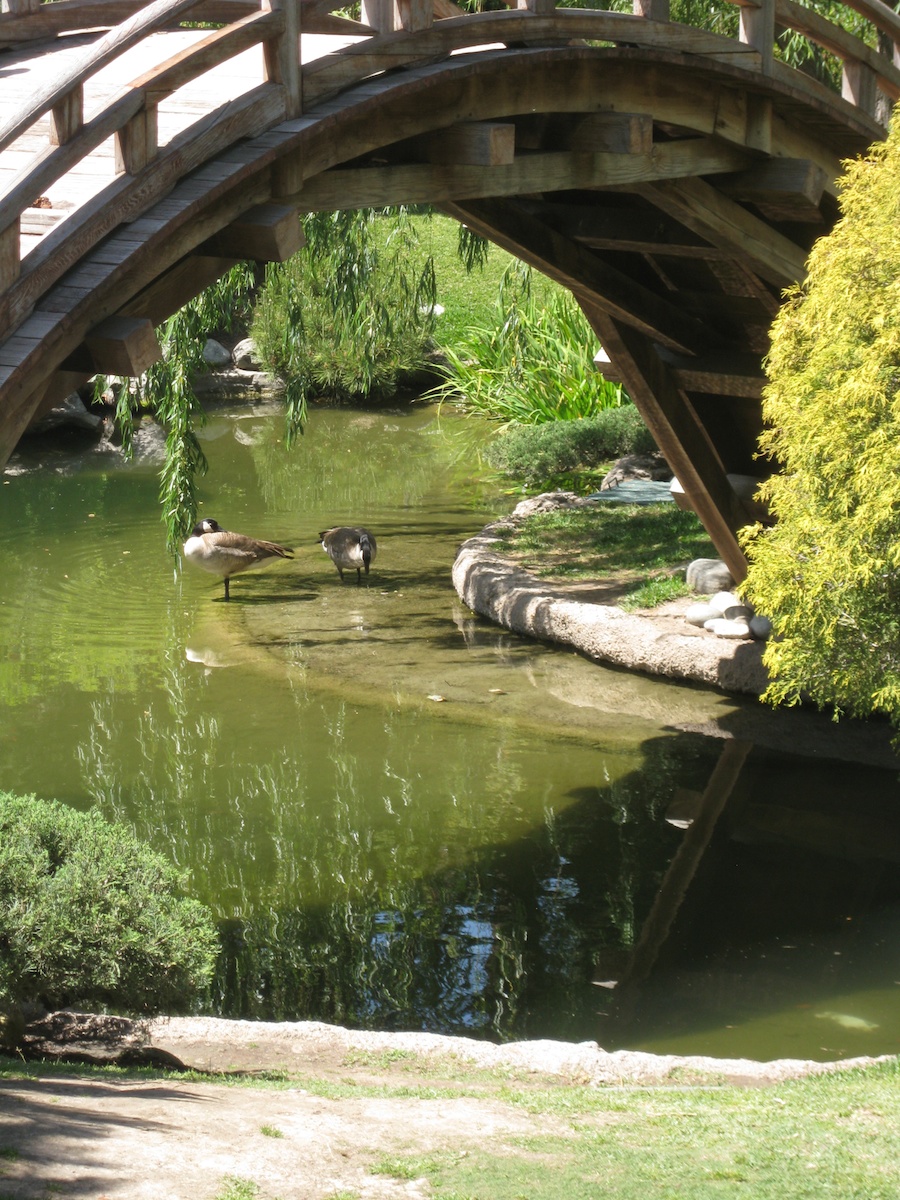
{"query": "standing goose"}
(349, 546)
(224, 553)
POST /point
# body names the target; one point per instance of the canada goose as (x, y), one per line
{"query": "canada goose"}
(349, 546)
(223, 553)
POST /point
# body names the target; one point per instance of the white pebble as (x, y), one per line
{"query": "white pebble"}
(728, 629)
(699, 614)
(723, 600)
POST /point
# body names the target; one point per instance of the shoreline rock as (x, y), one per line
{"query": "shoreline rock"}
(495, 587)
(220, 1045)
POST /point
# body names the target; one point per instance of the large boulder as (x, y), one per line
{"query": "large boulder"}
(652, 466)
(215, 355)
(708, 576)
(245, 356)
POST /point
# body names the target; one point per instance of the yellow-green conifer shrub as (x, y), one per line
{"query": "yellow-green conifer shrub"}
(828, 573)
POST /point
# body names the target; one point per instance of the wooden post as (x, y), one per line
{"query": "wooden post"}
(540, 8)
(10, 263)
(67, 117)
(390, 16)
(859, 86)
(136, 142)
(282, 55)
(653, 10)
(757, 29)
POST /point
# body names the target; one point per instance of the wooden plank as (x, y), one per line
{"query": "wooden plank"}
(10, 264)
(757, 29)
(282, 54)
(327, 76)
(136, 143)
(845, 46)
(89, 62)
(176, 286)
(216, 48)
(16, 348)
(470, 143)
(70, 15)
(122, 284)
(415, 15)
(678, 433)
(859, 85)
(651, 10)
(128, 196)
(724, 374)
(55, 161)
(635, 229)
(611, 133)
(363, 187)
(722, 221)
(39, 324)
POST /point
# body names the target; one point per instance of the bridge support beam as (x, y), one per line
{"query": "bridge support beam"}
(633, 345)
(122, 345)
(679, 435)
(584, 273)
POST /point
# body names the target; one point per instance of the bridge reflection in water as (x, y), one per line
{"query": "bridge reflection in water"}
(673, 179)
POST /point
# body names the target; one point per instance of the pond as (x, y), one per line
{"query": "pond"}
(404, 817)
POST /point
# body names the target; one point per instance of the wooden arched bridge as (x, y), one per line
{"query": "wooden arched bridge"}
(673, 179)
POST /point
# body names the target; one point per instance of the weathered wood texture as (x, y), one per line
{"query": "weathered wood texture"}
(673, 179)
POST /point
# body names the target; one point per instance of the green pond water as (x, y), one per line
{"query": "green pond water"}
(404, 817)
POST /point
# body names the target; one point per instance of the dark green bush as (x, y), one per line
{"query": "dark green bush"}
(540, 454)
(91, 916)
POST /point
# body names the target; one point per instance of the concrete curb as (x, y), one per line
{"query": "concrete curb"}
(494, 587)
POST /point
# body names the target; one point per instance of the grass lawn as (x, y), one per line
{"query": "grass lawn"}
(650, 544)
(468, 298)
(529, 1137)
(823, 1136)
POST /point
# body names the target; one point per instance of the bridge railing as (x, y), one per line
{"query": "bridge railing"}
(391, 34)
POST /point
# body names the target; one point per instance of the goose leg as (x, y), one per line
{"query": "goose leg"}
(227, 597)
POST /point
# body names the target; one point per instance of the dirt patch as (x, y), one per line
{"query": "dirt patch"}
(346, 1102)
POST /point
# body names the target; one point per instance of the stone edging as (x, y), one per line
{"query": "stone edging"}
(495, 587)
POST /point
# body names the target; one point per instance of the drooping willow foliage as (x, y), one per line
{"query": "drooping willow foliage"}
(166, 391)
(346, 317)
(351, 315)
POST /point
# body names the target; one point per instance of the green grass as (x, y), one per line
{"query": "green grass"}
(828, 1136)
(605, 539)
(655, 591)
(270, 1131)
(236, 1188)
(469, 299)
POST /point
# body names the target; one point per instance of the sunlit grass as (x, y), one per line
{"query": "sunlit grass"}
(830, 1135)
(598, 540)
(655, 591)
